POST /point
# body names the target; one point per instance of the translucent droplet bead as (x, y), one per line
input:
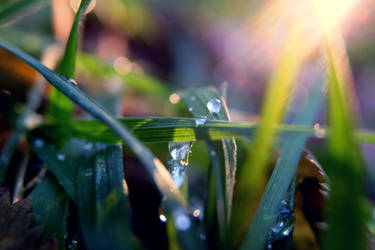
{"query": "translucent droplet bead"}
(162, 218)
(38, 143)
(190, 109)
(181, 220)
(200, 121)
(214, 106)
(179, 150)
(60, 157)
(70, 80)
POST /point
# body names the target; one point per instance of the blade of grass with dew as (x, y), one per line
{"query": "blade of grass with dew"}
(60, 107)
(252, 176)
(198, 101)
(103, 207)
(283, 174)
(167, 129)
(139, 82)
(163, 180)
(12, 8)
(345, 214)
(50, 203)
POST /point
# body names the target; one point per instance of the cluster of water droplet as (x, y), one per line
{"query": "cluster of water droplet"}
(284, 225)
(178, 161)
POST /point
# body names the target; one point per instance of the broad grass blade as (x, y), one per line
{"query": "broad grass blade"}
(50, 204)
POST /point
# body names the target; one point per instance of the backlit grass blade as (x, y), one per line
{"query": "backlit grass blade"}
(283, 174)
(167, 129)
(252, 175)
(152, 164)
(50, 203)
(346, 216)
(60, 107)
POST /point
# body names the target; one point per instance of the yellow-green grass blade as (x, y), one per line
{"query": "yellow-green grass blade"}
(60, 108)
(346, 213)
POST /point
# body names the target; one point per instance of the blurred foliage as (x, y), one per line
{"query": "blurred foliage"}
(230, 92)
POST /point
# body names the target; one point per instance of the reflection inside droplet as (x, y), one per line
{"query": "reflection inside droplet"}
(214, 106)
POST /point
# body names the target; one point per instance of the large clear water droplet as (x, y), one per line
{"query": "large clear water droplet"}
(214, 106)
(178, 161)
(178, 172)
(179, 150)
(181, 220)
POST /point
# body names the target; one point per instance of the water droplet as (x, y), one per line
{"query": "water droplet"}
(319, 131)
(179, 150)
(60, 157)
(100, 163)
(214, 106)
(200, 121)
(284, 225)
(190, 109)
(212, 153)
(163, 218)
(177, 172)
(181, 220)
(38, 143)
(193, 98)
(88, 146)
(70, 80)
(88, 173)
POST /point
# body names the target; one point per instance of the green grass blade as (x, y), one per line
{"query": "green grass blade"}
(153, 165)
(50, 203)
(283, 174)
(225, 151)
(346, 213)
(252, 176)
(167, 129)
(9, 10)
(102, 204)
(60, 107)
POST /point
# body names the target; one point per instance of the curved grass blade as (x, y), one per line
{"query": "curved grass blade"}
(153, 165)
(253, 174)
(346, 213)
(50, 203)
(283, 174)
(60, 107)
(225, 152)
(12, 8)
(167, 129)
